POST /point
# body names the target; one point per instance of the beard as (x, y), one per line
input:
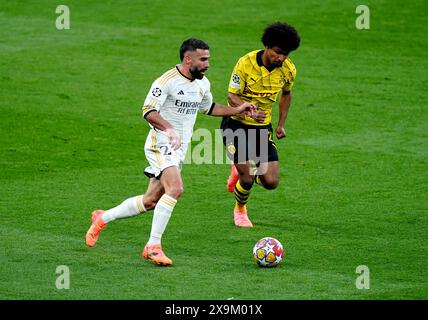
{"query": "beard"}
(196, 73)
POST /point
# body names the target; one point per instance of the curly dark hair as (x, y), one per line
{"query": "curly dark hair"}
(192, 44)
(282, 35)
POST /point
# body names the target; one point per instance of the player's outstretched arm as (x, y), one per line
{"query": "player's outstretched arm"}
(245, 108)
(235, 100)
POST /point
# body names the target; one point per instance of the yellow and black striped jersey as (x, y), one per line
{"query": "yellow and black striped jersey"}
(256, 84)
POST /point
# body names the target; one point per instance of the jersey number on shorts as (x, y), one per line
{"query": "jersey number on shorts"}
(165, 150)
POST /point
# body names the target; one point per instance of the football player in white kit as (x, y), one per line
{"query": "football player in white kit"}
(171, 108)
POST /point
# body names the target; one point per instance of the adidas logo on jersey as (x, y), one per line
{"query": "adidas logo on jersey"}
(181, 93)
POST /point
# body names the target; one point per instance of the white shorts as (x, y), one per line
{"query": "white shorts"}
(160, 154)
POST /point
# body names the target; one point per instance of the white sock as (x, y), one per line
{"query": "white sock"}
(128, 208)
(163, 211)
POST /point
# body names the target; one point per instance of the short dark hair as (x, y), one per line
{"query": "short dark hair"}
(282, 35)
(192, 44)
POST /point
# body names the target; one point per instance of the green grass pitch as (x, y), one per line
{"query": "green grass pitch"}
(353, 185)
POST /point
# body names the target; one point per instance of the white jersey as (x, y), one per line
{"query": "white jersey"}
(178, 100)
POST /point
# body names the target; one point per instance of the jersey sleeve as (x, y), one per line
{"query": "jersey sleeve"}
(238, 78)
(156, 97)
(289, 83)
(207, 101)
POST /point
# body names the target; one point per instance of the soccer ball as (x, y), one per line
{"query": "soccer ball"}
(268, 252)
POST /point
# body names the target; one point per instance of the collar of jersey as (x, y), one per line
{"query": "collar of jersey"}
(191, 80)
(260, 60)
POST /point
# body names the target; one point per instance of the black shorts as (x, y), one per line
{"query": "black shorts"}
(245, 142)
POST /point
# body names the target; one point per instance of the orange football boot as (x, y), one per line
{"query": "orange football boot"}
(154, 253)
(95, 228)
(240, 217)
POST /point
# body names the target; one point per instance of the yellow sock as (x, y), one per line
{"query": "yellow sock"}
(240, 206)
(241, 195)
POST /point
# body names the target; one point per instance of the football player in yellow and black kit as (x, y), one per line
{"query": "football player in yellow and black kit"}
(259, 77)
